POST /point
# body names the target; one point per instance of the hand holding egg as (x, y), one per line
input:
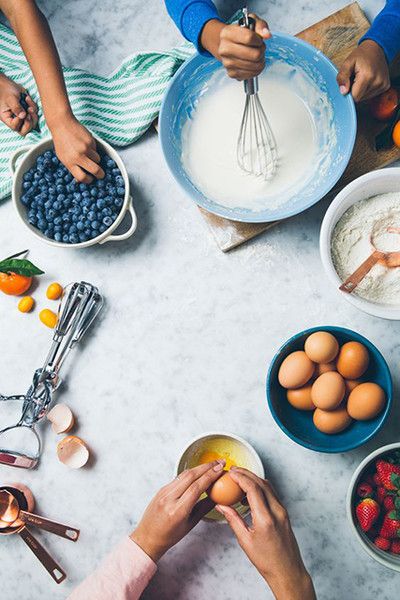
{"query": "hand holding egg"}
(176, 509)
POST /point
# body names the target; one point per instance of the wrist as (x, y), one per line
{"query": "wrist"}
(62, 116)
(293, 588)
(210, 36)
(153, 550)
(374, 46)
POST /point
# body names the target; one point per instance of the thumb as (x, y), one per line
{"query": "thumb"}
(261, 28)
(345, 75)
(15, 106)
(234, 520)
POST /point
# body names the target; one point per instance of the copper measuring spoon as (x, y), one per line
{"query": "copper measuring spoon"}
(12, 514)
(388, 259)
(41, 553)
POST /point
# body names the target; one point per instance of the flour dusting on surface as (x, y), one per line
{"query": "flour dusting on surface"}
(351, 244)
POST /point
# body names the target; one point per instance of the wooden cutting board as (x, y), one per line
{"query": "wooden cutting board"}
(336, 36)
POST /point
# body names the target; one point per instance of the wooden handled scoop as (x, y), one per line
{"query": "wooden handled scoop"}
(388, 259)
(11, 514)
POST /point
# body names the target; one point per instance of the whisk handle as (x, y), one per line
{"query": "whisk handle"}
(250, 85)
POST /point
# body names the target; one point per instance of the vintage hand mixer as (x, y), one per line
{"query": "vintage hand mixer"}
(80, 304)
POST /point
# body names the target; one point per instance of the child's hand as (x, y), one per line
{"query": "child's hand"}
(176, 509)
(12, 113)
(365, 72)
(241, 51)
(269, 543)
(76, 149)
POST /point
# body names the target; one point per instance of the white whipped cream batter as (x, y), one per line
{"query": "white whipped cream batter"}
(351, 245)
(209, 139)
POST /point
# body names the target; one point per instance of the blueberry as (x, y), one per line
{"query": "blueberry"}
(58, 220)
(102, 228)
(74, 218)
(118, 202)
(100, 203)
(24, 199)
(107, 221)
(73, 238)
(83, 187)
(106, 212)
(95, 225)
(27, 176)
(58, 237)
(57, 205)
(41, 224)
(85, 210)
(94, 192)
(60, 197)
(65, 238)
(48, 155)
(121, 191)
(119, 180)
(80, 226)
(67, 177)
(109, 162)
(108, 177)
(91, 215)
(100, 183)
(88, 232)
(83, 237)
(67, 202)
(115, 172)
(86, 194)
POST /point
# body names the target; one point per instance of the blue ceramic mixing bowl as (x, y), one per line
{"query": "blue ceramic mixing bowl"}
(188, 83)
(298, 425)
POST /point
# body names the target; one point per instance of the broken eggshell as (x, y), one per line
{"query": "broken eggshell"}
(61, 418)
(73, 452)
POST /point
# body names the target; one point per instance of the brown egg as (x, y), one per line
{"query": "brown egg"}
(327, 391)
(353, 360)
(321, 347)
(301, 398)
(295, 370)
(332, 421)
(324, 368)
(366, 401)
(350, 385)
(225, 491)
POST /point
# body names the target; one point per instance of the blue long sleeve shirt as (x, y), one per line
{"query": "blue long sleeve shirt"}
(190, 16)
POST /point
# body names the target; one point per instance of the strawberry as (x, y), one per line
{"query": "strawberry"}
(395, 547)
(380, 494)
(367, 512)
(389, 474)
(364, 490)
(382, 543)
(391, 525)
(388, 503)
(377, 479)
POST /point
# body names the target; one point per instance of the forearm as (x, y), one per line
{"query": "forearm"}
(301, 588)
(36, 40)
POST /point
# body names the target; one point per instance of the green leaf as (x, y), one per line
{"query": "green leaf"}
(20, 267)
(395, 479)
(394, 515)
(397, 503)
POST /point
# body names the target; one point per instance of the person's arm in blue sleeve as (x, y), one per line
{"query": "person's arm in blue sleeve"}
(365, 72)
(241, 51)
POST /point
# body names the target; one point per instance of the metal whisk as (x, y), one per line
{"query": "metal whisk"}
(256, 146)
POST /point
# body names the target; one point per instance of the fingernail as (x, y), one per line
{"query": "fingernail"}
(265, 32)
(219, 466)
(233, 468)
(22, 114)
(219, 508)
(342, 89)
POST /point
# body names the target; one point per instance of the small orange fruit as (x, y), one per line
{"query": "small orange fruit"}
(384, 106)
(26, 304)
(396, 134)
(54, 291)
(14, 284)
(48, 318)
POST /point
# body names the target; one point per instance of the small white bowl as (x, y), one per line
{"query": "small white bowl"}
(371, 184)
(384, 558)
(253, 463)
(30, 154)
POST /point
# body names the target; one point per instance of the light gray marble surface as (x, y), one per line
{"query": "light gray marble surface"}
(182, 347)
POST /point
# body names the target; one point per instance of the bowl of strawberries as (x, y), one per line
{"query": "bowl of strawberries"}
(373, 505)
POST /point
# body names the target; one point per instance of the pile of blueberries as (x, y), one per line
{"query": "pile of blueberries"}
(65, 210)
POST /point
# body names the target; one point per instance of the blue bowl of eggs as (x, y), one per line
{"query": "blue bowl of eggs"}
(329, 389)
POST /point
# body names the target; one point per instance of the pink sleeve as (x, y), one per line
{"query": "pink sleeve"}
(123, 575)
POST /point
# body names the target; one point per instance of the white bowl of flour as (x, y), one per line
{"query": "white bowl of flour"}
(365, 211)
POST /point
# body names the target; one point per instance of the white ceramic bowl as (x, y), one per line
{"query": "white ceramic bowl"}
(253, 461)
(371, 184)
(384, 558)
(28, 156)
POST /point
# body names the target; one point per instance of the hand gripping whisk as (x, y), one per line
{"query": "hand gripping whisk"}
(256, 146)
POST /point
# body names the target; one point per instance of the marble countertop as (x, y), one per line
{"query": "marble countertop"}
(182, 347)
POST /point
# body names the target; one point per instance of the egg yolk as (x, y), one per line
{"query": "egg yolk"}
(210, 456)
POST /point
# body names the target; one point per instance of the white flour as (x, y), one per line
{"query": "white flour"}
(209, 138)
(351, 245)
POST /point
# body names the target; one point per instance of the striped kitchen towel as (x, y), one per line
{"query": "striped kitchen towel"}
(118, 108)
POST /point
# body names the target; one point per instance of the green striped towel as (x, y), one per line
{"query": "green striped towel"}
(118, 108)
